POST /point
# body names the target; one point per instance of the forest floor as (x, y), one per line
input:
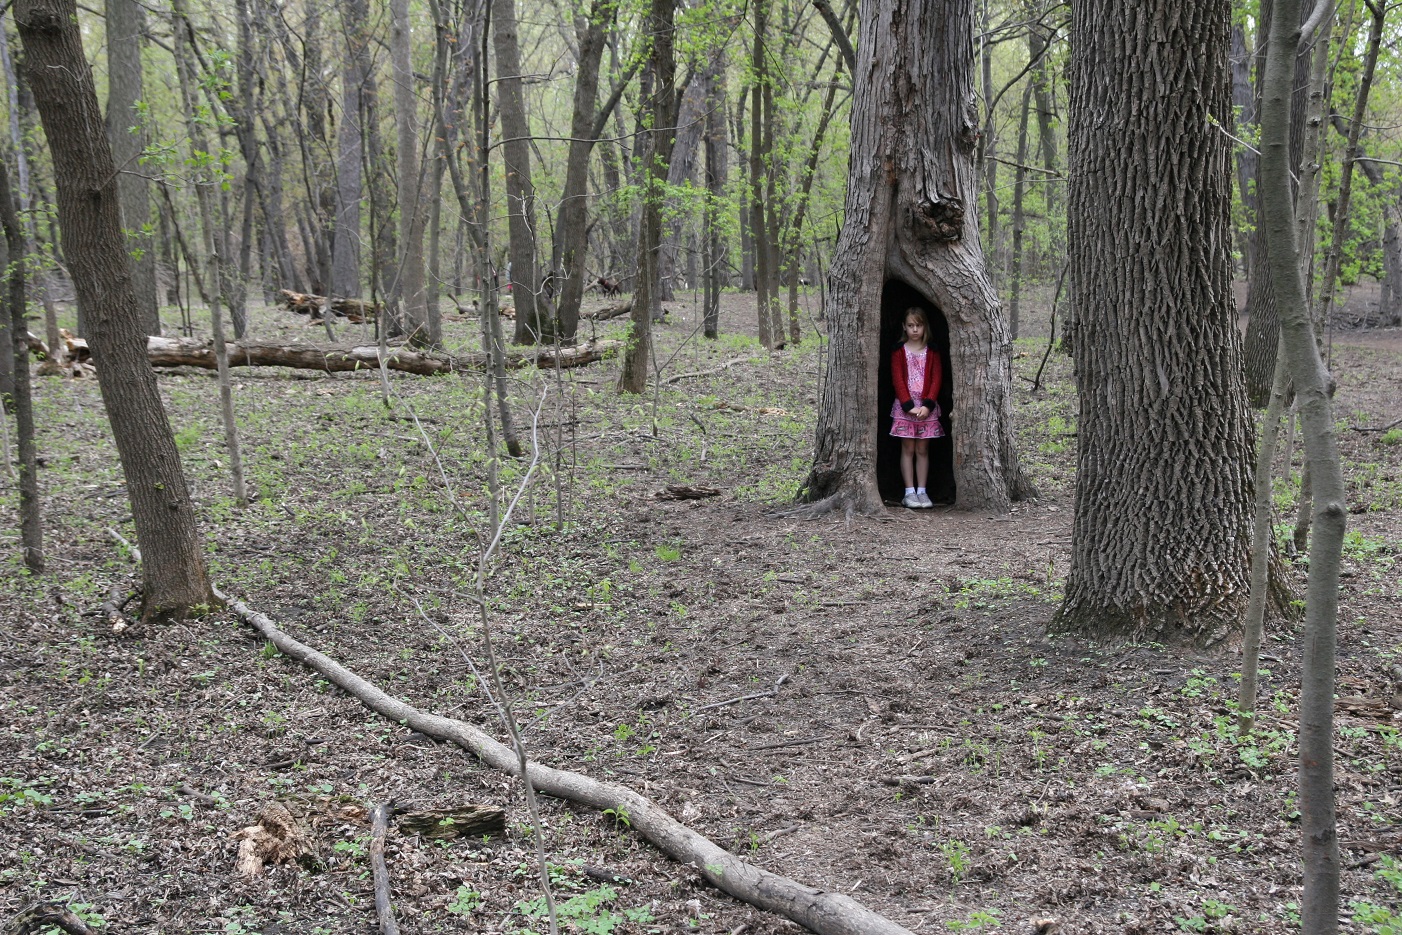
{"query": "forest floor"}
(930, 751)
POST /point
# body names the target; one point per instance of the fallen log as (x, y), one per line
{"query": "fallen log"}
(826, 913)
(609, 311)
(304, 303)
(187, 352)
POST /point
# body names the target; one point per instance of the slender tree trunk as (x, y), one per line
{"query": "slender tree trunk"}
(1244, 103)
(345, 260)
(662, 105)
(793, 243)
(1319, 908)
(31, 523)
(910, 219)
(125, 40)
(533, 323)
(1038, 38)
(686, 147)
(1343, 203)
(409, 287)
(1263, 327)
(716, 159)
(572, 225)
(1019, 219)
(1390, 306)
(1159, 547)
(173, 571)
(759, 226)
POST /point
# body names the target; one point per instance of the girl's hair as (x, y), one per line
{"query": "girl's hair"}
(917, 312)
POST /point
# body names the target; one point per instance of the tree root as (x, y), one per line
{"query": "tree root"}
(822, 912)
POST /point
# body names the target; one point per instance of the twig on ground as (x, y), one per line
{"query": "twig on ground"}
(792, 743)
(751, 697)
(379, 829)
(822, 911)
(1383, 428)
(677, 378)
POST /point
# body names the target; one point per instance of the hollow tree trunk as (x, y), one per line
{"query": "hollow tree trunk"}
(533, 324)
(1160, 544)
(910, 216)
(175, 582)
(125, 40)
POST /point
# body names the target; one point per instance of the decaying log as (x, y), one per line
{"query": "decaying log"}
(609, 311)
(43, 916)
(354, 310)
(379, 829)
(445, 824)
(186, 352)
(823, 912)
(277, 837)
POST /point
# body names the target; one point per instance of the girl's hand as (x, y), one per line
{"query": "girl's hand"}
(920, 412)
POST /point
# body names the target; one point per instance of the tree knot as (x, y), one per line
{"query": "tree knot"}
(938, 221)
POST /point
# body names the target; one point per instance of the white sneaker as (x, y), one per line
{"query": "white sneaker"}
(911, 501)
(925, 501)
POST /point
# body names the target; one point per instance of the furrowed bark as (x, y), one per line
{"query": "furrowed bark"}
(31, 522)
(1160, 544)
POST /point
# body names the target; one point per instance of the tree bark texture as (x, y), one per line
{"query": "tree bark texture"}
(350, 142)
(31, 522)
(173, 573)
(1319, 907)
(533, 325)
(125, 21)
(717, 157)
(911, 217)
(410, 290)
(572, 225)
(662, 105)
(1160, 542)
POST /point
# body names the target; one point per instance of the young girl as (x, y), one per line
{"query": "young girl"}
(917, 372)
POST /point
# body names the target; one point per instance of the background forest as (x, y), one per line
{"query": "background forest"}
(530, 323)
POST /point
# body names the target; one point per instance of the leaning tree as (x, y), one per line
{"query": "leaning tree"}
(174, 578)
(1163, 485)
(910, 236)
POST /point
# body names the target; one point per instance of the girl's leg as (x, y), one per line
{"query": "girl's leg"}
(907, 459)
(922, 461)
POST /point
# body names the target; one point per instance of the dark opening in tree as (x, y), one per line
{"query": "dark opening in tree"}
(896, 298)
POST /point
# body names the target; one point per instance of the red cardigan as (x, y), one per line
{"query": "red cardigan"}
(934, 374)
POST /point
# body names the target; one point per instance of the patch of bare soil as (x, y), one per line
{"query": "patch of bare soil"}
(929, 752)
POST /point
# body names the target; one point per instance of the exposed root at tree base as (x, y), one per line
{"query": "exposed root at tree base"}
(822, 912)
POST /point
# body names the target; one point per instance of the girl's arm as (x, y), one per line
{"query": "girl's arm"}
(900, 380)
(934, 377)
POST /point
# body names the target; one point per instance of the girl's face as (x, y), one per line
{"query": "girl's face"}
(914, 329)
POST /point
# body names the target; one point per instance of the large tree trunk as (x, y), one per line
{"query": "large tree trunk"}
(409, 287)
(125, 40)
(571, 228)
(173, 571)
(1160, 543)
(662, 105)
(533, 323)
(911, 223)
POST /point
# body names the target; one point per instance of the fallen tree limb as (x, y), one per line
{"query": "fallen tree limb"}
(39, 917)
(186, 352)
(609, 311)
(822, 912)
(384, 908)
(356, 310)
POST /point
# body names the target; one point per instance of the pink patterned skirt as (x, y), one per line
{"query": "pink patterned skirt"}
(903, 426)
